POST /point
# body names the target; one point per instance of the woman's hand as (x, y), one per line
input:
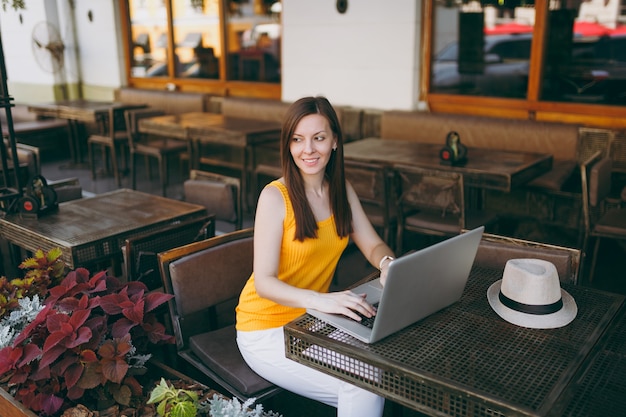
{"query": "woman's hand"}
(344, 302)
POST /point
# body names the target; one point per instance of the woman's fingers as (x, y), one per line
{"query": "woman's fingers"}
(357, 303)
(346, 303)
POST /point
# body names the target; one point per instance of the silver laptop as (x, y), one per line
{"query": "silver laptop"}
(418, 285)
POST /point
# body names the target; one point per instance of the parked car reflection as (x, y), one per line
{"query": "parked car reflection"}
(591, 69)
(595, 74)
(505, 70)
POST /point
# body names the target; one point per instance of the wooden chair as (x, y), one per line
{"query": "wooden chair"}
(140, 252)
(263, 175)
(206, 279)
(371, 182)
(267, 166)
(432, 202)
(113, 138)
(495, 250)
(601, 219)
(160, 148)
(220, 194)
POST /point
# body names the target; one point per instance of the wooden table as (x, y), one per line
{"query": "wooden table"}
(93, 229)
(77, 113)
(485, 168)
(215, 129)
(466, 361)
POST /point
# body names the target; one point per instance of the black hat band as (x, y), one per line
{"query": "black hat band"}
(531, 308)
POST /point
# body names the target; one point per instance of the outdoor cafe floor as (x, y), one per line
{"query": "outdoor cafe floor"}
(609, 274)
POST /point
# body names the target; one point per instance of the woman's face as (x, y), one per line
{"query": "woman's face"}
(312, 144)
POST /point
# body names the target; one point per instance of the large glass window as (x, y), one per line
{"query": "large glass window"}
(149, 37)
(250, 35)
(197, 38)
(254, 38)
(586, 56)
(481, 49)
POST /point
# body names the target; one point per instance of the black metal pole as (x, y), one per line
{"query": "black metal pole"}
(8, 194)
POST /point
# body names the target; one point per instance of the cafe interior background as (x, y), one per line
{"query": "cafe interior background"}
(542, 60)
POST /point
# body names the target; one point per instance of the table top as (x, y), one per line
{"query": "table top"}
(79, 109)
(601, 389)
(466, 360)
(485, 168)
(211, 127)
(90, 229)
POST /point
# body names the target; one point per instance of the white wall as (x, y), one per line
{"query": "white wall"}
(100, 49)
(95, 57)
(367, 57)
(21, 66)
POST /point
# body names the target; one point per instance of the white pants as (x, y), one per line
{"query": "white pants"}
(264, 351)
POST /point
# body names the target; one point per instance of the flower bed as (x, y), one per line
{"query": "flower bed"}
(84, 350)
(12, 408)
(88, 341)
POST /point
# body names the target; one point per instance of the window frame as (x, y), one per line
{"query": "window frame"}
(606, 116)
(222, 86)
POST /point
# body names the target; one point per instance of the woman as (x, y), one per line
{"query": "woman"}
(303, 223)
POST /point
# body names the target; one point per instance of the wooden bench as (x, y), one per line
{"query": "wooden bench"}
(268, 155)
(559, 140)
(274, 110)
(547, 198)
(170, 102)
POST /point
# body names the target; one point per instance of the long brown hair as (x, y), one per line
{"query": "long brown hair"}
(306, 225)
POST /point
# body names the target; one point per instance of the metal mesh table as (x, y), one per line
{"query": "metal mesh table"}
(465, 360)
(601, 386)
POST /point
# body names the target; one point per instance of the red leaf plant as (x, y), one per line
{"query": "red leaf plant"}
(88, 342)
(43, 270)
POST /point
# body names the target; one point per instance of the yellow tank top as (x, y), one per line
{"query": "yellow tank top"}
(308, 264)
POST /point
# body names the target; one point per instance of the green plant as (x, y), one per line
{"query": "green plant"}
(174, 402)
(11, 325)
(88, 343)
(224, 407)
(178, 402)
(43, 270)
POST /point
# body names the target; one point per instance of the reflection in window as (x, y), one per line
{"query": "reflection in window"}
(196, 38)
(254, 39)
(251, 36)
(586, 53)
(481, 50)
(149, 36)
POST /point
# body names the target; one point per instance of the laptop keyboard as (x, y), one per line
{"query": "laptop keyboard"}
(367, 321)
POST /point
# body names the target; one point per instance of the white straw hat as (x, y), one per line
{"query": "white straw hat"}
(530, 295)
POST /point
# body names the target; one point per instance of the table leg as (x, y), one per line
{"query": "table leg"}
(475, 198)
(12, 256)
(75, 132)
(245, 178)
(73, 142)
(194, 153)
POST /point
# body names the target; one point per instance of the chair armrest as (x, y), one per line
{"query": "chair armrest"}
(31, 155)
(63, 182)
